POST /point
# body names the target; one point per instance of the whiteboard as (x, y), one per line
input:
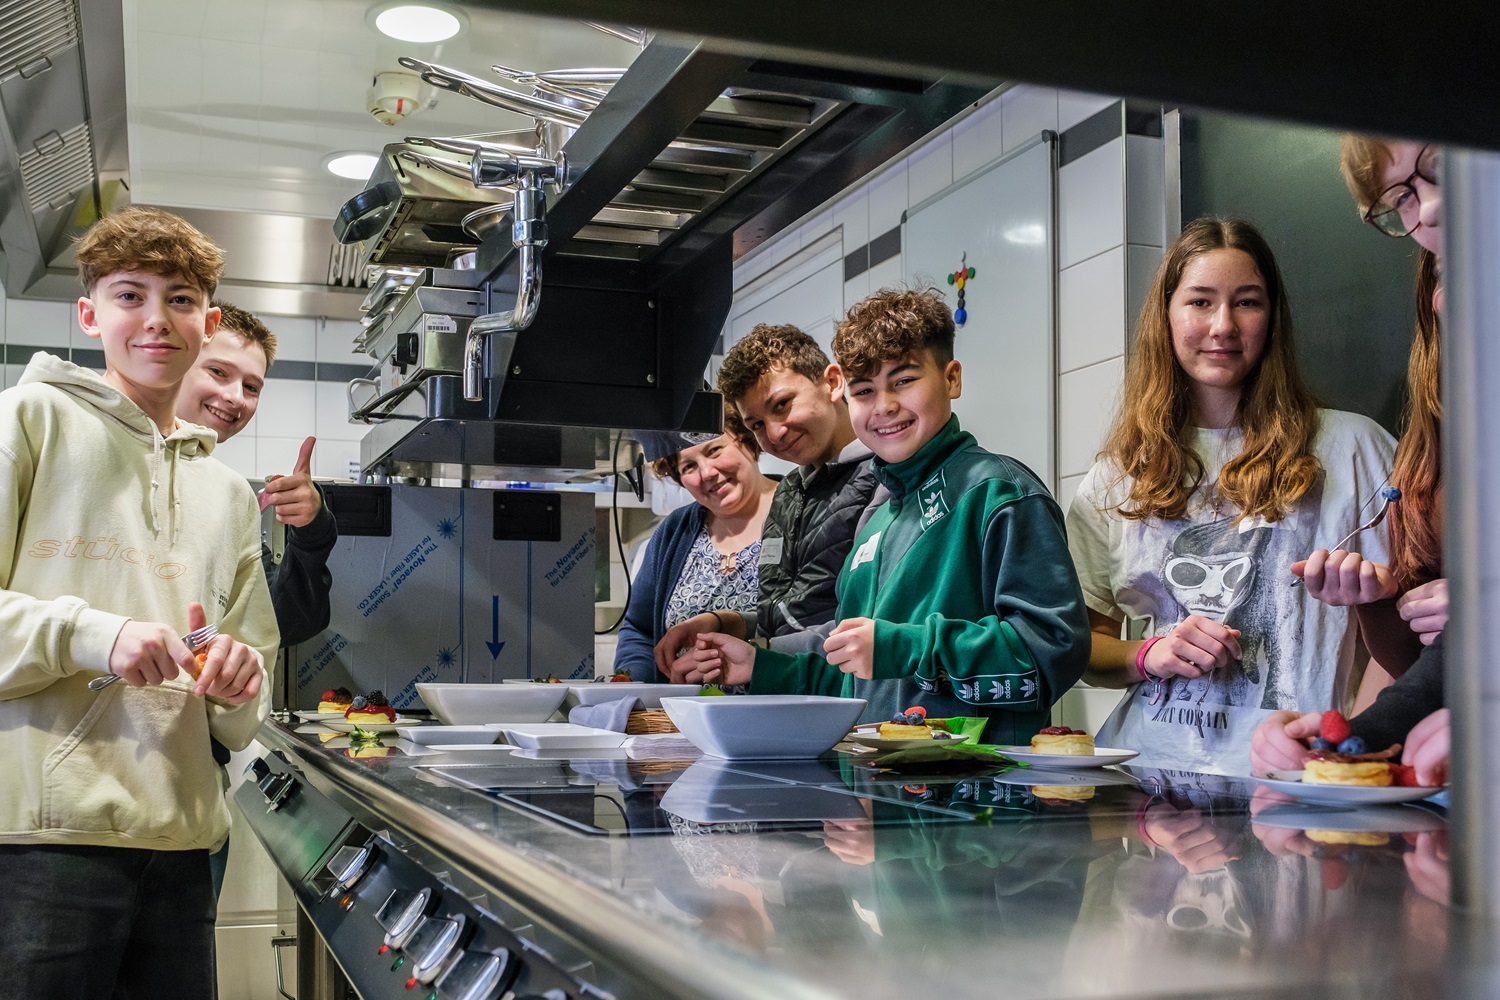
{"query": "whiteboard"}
(1003, 219)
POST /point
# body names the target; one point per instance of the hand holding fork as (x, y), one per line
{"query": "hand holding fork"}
(150, 653)
(1373, 579)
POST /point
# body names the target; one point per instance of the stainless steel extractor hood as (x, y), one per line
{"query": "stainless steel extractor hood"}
(693, 158)
(63, 155)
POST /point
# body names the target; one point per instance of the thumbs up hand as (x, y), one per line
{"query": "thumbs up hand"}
(295, 498)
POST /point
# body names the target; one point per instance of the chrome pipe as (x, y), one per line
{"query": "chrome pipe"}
(528, 297)
(1471, 474)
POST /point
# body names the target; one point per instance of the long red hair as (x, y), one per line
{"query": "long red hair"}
(1417, 521)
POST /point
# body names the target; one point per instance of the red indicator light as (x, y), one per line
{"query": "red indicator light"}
(383, 949)
(411, 982)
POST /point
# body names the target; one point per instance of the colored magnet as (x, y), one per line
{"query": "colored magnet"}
(971, 272)
(961, 281)
(950, 279)
(960, 315)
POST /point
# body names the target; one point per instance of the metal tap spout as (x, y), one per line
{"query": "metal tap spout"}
(496, 168)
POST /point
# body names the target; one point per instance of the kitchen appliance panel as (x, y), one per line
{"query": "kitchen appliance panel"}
(438, 598)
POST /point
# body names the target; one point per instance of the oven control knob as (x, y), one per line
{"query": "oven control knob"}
(347, 865)
(406, 349)
(277, 788)
(431, 945)
(478, 975)
(400, 914)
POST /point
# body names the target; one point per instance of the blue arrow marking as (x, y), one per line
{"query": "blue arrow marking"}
(495, 644)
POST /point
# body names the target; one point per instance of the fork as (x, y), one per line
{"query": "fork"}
(194, 640)
(1388, 496)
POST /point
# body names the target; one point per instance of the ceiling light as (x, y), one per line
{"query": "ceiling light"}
(418, 23)
(355, 166)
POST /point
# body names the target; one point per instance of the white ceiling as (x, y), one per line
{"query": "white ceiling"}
(234, 104)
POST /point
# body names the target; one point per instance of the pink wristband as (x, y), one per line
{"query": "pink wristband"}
(1140, 658)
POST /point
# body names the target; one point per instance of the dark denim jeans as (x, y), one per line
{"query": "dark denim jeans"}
(106, 923)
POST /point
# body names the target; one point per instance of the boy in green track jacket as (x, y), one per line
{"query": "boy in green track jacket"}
(959, 594)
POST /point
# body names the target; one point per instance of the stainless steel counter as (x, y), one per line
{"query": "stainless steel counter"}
(823, 879)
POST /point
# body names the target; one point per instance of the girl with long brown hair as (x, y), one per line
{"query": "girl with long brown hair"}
(1219, 471)
(1402, 604)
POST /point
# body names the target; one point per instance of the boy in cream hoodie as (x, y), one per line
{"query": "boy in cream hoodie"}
(119, 534)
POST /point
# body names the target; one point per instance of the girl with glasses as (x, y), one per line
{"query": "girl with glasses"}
(1402, 604)
(1219, 471)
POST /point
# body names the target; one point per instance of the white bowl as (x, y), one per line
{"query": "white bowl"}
(606, 691)
(477, 704)
(764, 727)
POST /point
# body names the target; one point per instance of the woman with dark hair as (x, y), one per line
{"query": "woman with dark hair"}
(1219, 471)
(705, 556)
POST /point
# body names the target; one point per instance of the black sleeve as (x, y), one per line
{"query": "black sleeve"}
(1414, 696)
(300, 584)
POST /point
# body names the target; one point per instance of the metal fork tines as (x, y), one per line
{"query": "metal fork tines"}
(194, 640)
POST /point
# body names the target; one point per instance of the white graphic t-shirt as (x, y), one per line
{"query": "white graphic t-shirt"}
(1298, 652)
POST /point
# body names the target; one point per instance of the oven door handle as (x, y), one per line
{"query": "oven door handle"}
(277, 943)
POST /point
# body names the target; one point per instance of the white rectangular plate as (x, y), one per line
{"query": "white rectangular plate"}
(1291, 783)
(446, 735)
(558, 736)
(1103, 756)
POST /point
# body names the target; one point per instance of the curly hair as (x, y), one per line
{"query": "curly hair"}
(1277, 412)
(150, 241)
(892, 324)
(767, 347)
(245, 323)
(666, 467)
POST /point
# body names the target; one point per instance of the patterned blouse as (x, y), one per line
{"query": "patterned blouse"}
(705, 586)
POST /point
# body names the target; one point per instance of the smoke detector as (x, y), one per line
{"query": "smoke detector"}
(395, 96)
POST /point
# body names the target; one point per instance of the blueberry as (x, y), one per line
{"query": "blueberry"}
(914, 719)
(1390, 493)
(1321, 744)
(898, 720)
(358, 702)
(1353, 745)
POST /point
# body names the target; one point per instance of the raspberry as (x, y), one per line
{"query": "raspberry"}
(328, 695)
(1334, 728)
(918, 709)
(1404, 775)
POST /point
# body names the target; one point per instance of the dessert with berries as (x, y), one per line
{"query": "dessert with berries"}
(1063, 793)
(369, 709)
(336, 700)
(909, 725)
(1063, 740)
(1339, 758)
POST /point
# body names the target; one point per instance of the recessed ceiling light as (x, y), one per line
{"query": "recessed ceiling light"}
(418, 23)
(355, 166)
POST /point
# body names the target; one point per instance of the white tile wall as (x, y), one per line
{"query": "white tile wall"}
(1091, 204)
(239, 452)
(1091, 319)
(296, 337)
(1086, 401)
(929, 170)
(856, 288)
(978, 139)
(1067, 489)
(336, 342)
(287, 409)
(331, 402)
(1026, 111)
(853, 214)
(888, 199)
(886, 274)
(815, 226)
(40, 324)
(1144, 168)
(333, 458)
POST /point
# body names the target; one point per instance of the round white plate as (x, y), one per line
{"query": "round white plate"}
(880, 743)
(1103, 756)
(343, 726)
(1291, 783)
(1375, 819)
(309, 716)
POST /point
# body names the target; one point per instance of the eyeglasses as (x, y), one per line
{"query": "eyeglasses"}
(1396, 212)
